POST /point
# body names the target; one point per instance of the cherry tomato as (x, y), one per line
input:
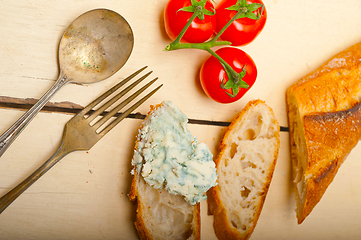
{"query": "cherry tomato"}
(174, 20)
(242, 31)
(212, 73)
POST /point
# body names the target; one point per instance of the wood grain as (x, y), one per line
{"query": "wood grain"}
(85, 195)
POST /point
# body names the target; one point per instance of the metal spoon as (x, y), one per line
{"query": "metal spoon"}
(95, 46)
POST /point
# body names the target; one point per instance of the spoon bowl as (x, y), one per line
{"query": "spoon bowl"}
(95, 46)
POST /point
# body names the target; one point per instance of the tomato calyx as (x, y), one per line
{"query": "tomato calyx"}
(246, 10)
(200, 8)
(252, 11)
(234, 81)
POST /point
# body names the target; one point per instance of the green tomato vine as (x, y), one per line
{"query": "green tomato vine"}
(244, 10)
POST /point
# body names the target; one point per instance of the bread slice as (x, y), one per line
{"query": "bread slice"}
(161, 215)
(171, 173)
(324, 116)
(245, 164)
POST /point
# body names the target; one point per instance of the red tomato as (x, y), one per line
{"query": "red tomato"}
(242, 31)
(199, 31)
(212, 73)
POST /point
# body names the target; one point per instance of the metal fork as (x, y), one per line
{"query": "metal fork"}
(79, 134)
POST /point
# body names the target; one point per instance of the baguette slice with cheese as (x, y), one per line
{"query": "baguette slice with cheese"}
(171, 174)
(161, 215)
(324, 119)
(245, 164)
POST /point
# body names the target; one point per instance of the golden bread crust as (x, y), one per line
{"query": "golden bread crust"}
(139, 222)
(334, 86)
(328, 144)
(324, 123)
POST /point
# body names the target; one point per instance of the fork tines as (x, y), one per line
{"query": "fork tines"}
(99, 124)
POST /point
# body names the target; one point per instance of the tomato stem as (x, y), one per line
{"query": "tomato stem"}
(235, 77)
(194, 15)
(227, 25)
(202, 46)
(176, 44)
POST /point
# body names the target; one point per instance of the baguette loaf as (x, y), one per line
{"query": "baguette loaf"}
(324, 116)
(245, 164)
(171, 173)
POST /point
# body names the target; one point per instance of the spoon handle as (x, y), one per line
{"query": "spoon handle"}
(13, 132)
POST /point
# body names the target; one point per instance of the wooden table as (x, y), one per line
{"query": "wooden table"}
(85, 195)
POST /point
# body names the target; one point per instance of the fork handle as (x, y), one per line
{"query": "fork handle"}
(8, 198)
(13, 132)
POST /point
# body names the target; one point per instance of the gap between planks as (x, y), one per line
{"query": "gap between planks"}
(72, 108)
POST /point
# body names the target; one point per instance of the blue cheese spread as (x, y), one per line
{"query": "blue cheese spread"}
(168, 156)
